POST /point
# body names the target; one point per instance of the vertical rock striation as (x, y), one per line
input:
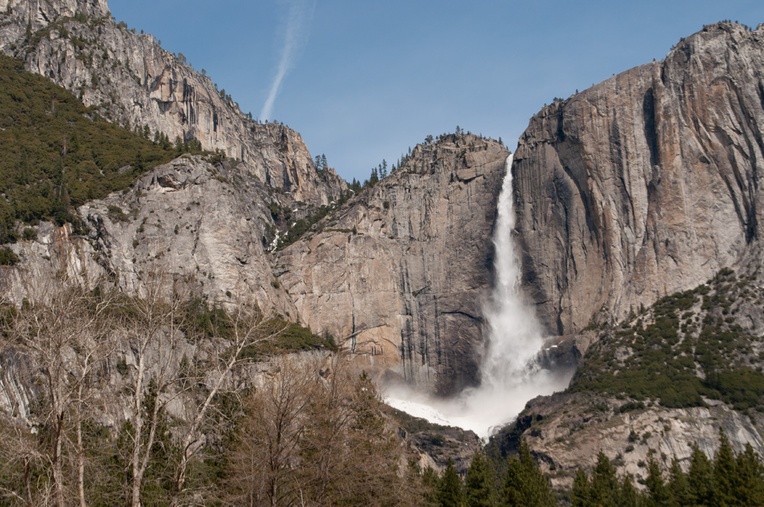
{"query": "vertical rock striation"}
(400, 272)
(645, 184)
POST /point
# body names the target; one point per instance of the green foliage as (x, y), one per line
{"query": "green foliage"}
(725, 473)
(205, 321)
(580, 496)
(524, 483)
(678, 485)
(450, 489)
(57, 154)
(116, 214)
(683, 349)
(8, 257)
(298, 228)
(731, 480)
(700, 478)
(288, 337)
(480, 482)
(656, 486)
(604, 484)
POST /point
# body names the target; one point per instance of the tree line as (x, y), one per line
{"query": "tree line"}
(729, 479)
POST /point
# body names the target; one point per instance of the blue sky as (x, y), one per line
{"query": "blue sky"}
(368, 79)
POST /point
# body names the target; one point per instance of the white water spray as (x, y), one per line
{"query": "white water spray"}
(511, 374)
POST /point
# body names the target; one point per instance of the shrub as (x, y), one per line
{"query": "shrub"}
(8, 257)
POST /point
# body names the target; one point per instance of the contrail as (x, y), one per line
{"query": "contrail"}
(300, 13)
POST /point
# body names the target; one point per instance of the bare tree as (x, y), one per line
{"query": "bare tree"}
(247, 329)
(316, 435)
(152, 326)
(66, 338)
(266, 455)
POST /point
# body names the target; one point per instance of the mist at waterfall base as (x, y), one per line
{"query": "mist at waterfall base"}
(511, 373)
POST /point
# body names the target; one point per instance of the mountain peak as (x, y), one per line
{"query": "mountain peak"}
(40, 13)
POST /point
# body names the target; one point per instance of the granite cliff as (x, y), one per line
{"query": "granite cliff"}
(645, 184)
(400, 272)
(639, 220)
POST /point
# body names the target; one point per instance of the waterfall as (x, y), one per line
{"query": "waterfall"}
(514, 337)
(511, 374)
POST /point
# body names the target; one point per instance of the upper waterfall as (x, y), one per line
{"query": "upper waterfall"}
(511, 374)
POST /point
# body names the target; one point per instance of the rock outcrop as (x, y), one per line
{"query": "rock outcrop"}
(400, 272)
(567, 431)
(129, 79)
(645, 184)
(193, 222)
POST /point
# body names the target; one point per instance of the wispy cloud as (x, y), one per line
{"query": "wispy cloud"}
(300, 13)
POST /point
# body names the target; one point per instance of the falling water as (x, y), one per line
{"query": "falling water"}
(511, 374)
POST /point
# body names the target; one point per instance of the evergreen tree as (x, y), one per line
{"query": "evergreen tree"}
(450, 493)
(678, 485)
(750, 478)
(656, 487)
(374, 178)
(604, 484)
(627, 493)
(524, 484)
(700, 478)
(724, 473)
(430, 485)
(581, 494)
(479, 482)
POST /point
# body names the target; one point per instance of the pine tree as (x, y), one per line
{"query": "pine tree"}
(724, 473)
(656, 487)
(374, 178)
(627, 493)
(678, 485)
(581, 494)
(749, 489)
(524, 484)
(700, 478)
(430, 485)
(604, 485)
(479, 482)
(450, 493)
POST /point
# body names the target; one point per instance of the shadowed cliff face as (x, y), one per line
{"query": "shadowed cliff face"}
(401, 271)
(645, 184)
(129, 79)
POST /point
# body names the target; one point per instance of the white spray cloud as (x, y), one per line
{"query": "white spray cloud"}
(511, 373)
(300, 12)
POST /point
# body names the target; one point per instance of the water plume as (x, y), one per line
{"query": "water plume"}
(300, 12)
(511, 373)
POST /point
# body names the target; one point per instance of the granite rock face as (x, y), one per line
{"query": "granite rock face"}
(566, 431)
(129, 79)
(194, 223)
(645, 184)
(401, 271)
(641, 187)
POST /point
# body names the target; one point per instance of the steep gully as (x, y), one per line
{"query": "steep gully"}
(511, 372)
